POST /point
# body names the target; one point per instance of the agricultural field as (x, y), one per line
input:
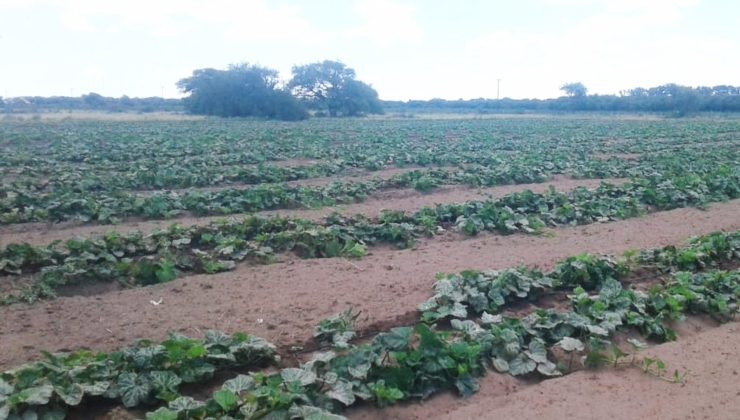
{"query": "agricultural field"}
(529, 266)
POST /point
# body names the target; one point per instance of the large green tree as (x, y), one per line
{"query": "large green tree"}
(332, 87)
(575, 89)
(242, 90)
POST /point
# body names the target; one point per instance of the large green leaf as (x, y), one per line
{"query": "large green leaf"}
(571, 344)
(466, 385)
(226, 399)
(537, 351)
(162, 413)
(96, 388)
(197, 373)
(37, 395)
(134, 389)
(165, 384)
(501, 365)
(360, 370)
(165, 271)
(239, 384)
(301, 376)
(5, 388)
(71, 394)
(186, 404)
(397, 339)
(217, 338)
(342, 392)
(521, 365)
(548, 369)
(307, 412)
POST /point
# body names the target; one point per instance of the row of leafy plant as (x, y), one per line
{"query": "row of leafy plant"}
(405, 362)
(415, 362)
(141, 374)
(481, 293)
(84, 196)
(82, 168)
(147, 147)
(113, 207)
(139, 260)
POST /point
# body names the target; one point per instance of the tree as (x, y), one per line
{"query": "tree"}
(94, 100)
(574, 90)
(242, 90)
(331, 86)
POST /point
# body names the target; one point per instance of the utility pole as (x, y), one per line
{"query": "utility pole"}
(498, 89)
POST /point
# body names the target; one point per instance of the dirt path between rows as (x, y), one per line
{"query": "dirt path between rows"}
(282, 302)
(403, 199)
(711, 390)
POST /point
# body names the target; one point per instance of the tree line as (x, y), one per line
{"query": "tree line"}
(330, 88)
(326, 88)
(670, 98)
(89, 102)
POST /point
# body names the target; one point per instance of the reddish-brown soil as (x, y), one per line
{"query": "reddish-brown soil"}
(625, 156)
(403, 199)
(282, 302)
(293, 163)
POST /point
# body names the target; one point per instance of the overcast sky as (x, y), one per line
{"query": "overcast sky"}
(407, 49)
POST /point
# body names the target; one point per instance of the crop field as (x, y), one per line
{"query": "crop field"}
(522, 267)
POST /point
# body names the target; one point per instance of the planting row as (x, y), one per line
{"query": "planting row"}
(139, 260)
(71, 162)
(112, 207)
(444, 351)
(78, 195)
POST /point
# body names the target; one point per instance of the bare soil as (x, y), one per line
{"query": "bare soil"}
(402, 199)
(282, 302)
(293, 163)
(625, 156)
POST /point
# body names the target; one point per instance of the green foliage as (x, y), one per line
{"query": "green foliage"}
(139, 375)
(337, 330)
(96, 172)
(575, 89)
(587, 271)
(330, 86)
(242, 90)
(477, 292)
(404, 362)
(526, 212)
(702, 252)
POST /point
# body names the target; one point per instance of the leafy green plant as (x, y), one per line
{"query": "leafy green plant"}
(142, 374)
(337, 330)
(603, 353)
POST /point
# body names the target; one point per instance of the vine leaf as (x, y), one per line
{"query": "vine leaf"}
(135, 389)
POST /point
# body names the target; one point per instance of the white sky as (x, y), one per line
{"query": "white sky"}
(407, 49)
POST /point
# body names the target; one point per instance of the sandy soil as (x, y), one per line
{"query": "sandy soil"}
(282, 302)
(710, 391)
(404, 199)
(625, 156)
